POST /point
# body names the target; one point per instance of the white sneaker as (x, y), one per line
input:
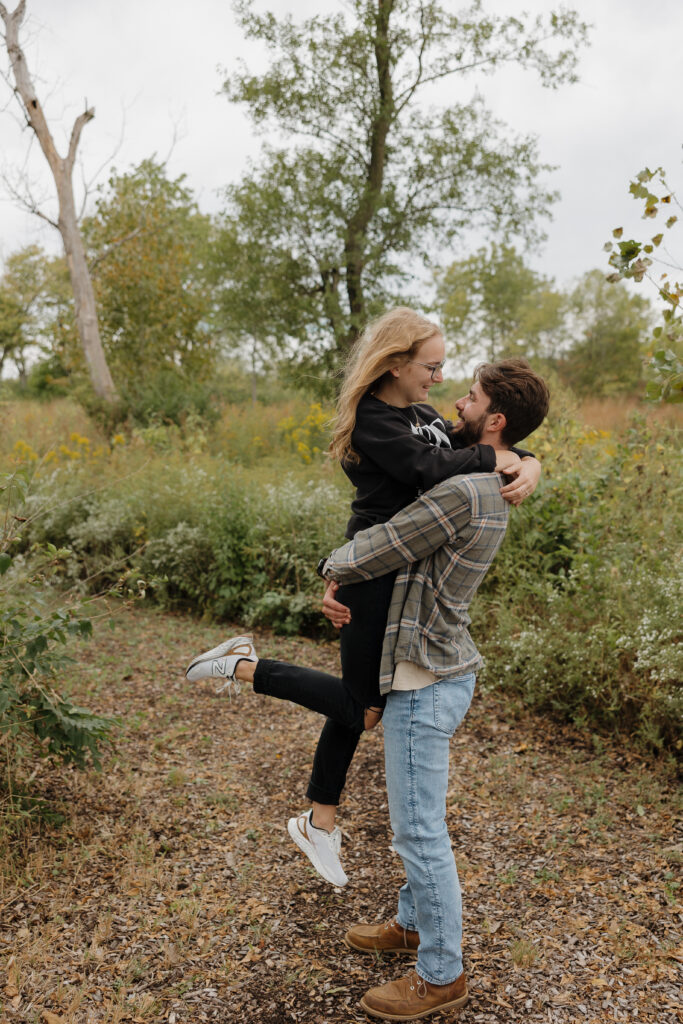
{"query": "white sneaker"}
(221, 661)
(322, 848)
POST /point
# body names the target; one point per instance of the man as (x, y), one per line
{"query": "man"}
(443, 545)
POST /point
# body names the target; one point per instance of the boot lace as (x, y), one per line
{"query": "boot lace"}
(421, 986)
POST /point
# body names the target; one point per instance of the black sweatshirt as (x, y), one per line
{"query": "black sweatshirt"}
(403, 452)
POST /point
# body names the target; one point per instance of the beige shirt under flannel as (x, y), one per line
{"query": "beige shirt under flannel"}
(408, 676)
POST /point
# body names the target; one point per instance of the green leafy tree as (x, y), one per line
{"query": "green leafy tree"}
(12, 321)
(369, 180)
(493, 305)
(253, 312)
(37, 315)
(22, 288)
(636, 260)
(148, 245)
(57, 329)
(610, 327)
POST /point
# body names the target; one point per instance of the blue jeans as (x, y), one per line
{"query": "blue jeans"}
(418, 725)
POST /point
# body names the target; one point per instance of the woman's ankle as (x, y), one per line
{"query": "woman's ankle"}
(323, 816)
(244, 670)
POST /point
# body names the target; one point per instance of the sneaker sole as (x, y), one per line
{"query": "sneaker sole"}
(453, 1005)
(309, 851)
(395, 951)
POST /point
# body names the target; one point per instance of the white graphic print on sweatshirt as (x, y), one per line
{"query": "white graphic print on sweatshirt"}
(434, 432)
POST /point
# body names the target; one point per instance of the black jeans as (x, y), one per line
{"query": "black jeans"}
(342, 700)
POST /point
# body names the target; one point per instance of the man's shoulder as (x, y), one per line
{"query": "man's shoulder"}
(481, 491)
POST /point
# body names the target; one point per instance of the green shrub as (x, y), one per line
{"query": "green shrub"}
(288, 614)
(48, 378)
(228, 521)
(604, 652)
(34, 718)
(577, 616)
(169, 396)
(179, 563)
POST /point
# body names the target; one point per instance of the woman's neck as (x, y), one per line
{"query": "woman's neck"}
(390, 394)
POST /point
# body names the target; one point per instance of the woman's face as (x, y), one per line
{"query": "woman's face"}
(413, 380)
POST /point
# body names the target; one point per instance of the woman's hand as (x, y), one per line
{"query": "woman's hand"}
(507, 462)
(338, 614)
(525, 482)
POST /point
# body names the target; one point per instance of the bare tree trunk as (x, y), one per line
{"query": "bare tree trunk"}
(253, 373)
(67, 224)
(20, 363)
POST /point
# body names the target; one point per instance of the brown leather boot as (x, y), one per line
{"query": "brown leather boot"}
(383, 938)
(412, 997)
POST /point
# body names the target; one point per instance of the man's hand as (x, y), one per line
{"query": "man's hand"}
(338, 614)
(525, 482)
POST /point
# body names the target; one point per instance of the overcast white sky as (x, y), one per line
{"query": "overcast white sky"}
(152, 68)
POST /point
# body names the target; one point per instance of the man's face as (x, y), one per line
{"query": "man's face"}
(472, 414)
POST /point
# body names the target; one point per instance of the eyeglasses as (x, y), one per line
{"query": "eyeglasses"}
(438, 368)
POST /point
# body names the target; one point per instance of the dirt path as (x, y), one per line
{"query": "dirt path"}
(173, 893)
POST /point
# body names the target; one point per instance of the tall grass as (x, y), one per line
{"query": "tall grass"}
(615, 413)
(42, 426)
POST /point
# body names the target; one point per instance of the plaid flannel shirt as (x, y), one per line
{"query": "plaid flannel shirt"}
(443, 545)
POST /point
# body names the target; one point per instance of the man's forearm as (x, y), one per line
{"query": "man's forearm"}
(412, 534)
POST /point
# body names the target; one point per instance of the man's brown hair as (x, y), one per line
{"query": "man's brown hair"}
(521, 395)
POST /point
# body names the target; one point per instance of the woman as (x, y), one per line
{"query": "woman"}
(392, 446)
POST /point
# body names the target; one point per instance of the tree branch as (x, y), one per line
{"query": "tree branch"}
(344, 144)
(116, 244)
(406, 95)
(17, 13)
(25, 88)
(87, 184)
(26, 201)
(79, 124)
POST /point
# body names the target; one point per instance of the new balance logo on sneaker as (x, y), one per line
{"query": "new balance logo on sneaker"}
(220, 662)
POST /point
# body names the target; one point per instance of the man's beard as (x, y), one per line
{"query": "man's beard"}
(470, 432)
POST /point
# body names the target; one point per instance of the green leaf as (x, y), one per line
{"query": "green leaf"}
(5, 562)
(630, 249)
(638, 191)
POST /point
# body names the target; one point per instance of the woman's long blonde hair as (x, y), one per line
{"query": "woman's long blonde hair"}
(391, 340)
